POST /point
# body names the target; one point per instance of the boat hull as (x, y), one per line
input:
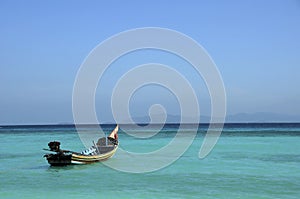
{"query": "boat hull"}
(105, 148)
(58, 159)
(62, 159)
(86, 159)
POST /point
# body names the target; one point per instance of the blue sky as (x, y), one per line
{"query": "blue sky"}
(255, 45)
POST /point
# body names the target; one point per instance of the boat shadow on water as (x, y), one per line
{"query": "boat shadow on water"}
(70, 167)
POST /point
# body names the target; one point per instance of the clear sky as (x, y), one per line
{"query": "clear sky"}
(255, 45)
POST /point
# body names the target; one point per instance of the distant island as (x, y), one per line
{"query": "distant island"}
(259, 117)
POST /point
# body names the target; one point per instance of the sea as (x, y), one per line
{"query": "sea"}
(250, 160)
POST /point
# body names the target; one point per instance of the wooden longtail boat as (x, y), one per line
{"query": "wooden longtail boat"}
(102, 150)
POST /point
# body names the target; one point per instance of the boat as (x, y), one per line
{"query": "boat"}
(105, 148)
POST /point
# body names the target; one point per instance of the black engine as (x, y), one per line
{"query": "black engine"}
(54, 146)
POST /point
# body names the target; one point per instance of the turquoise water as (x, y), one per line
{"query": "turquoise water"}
(249, 161)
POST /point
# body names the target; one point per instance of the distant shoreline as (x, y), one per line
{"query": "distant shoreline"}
(145, 124)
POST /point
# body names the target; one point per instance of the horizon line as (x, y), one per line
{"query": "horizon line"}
(145, 124)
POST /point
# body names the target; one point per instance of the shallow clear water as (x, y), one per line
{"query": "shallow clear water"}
(249, 161)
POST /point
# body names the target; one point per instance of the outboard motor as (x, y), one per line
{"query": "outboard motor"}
(54, 146)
